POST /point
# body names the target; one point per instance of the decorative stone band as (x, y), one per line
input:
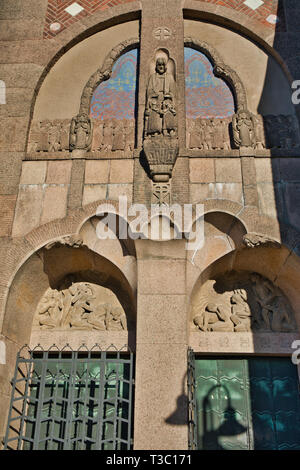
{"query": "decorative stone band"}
(271, 132)
(161, 153)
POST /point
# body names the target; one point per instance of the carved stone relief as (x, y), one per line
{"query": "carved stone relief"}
(160, 129)
(112, 135)
(244, 129)
(253, 240)
(242, 302)
(81, 132)
(161, 194)
(49, 136)
(208, 134)
(69, 240)
(82, 306)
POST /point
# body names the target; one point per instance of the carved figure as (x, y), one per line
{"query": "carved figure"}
(50, 310)
(107, 135)
(97, 317)
(64, 134)
(196, 134)
(54, 137)
(115, 319)
(118, 135)
(260, 133)
(97, 136)
(275, 314)
(213, 319)
(43, 143)
(81, 132)
(160, 101)
(225, 133)
(241, 313)
(243, 127)
(79, 307)
(169, 113)
(129, 130)
(81, 304)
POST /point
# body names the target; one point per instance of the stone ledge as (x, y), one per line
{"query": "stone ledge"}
(243, 343)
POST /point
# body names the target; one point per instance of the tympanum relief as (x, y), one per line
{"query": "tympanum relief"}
(242, 303)
(82, 306)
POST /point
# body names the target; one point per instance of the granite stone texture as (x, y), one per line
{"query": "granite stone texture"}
(49, 199)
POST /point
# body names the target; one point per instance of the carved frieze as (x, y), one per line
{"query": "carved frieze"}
(243, 130)
(83, 306)
(242, 302)
(49, 136)
(208, 134)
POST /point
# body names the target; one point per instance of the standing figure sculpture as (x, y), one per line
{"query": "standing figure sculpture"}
(243, 127)
(160, 102)
(80, 132)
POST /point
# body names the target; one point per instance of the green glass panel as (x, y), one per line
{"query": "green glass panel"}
(247, 403)
(67, 400)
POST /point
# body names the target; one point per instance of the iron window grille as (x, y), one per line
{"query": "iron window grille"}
(71, 400)
(192, 413)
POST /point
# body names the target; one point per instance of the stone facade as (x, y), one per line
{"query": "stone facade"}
(235, 293)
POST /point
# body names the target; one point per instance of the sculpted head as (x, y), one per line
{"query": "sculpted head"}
(161, 66)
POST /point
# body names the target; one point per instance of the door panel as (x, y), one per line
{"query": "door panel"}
(247, 403)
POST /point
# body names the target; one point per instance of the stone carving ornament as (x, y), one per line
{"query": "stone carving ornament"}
(251, 304)
(160, 128)
(83, 306)
(253, 240)
(243, 128)
(81, 132)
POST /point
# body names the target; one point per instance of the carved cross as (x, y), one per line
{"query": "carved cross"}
(162, 33)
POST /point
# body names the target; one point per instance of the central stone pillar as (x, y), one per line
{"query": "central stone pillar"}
(160, 420)
(162, 29)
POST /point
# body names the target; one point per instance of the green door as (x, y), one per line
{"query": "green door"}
(246, 404)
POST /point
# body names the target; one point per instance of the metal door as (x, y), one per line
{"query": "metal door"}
(243, 404)
(71, 401)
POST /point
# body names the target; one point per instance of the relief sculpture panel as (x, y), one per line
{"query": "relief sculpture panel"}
(82, 306)
(242, 130)
(242, 302)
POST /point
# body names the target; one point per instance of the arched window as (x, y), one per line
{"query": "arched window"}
(116, 97)
(206, 95)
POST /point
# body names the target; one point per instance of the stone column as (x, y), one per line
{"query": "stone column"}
(162, 28)
(160, 420)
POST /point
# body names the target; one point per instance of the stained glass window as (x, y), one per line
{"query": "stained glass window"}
(206, 95)
(116, 97)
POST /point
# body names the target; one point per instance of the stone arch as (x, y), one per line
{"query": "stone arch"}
(276, 263)
(220, 69)
(54, 266)
(237, 22)
(222, 233)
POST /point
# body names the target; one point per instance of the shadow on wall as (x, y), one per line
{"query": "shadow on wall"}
(179, 415)
(284, 192)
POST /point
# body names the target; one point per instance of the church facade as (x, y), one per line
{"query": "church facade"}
(150, 235)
